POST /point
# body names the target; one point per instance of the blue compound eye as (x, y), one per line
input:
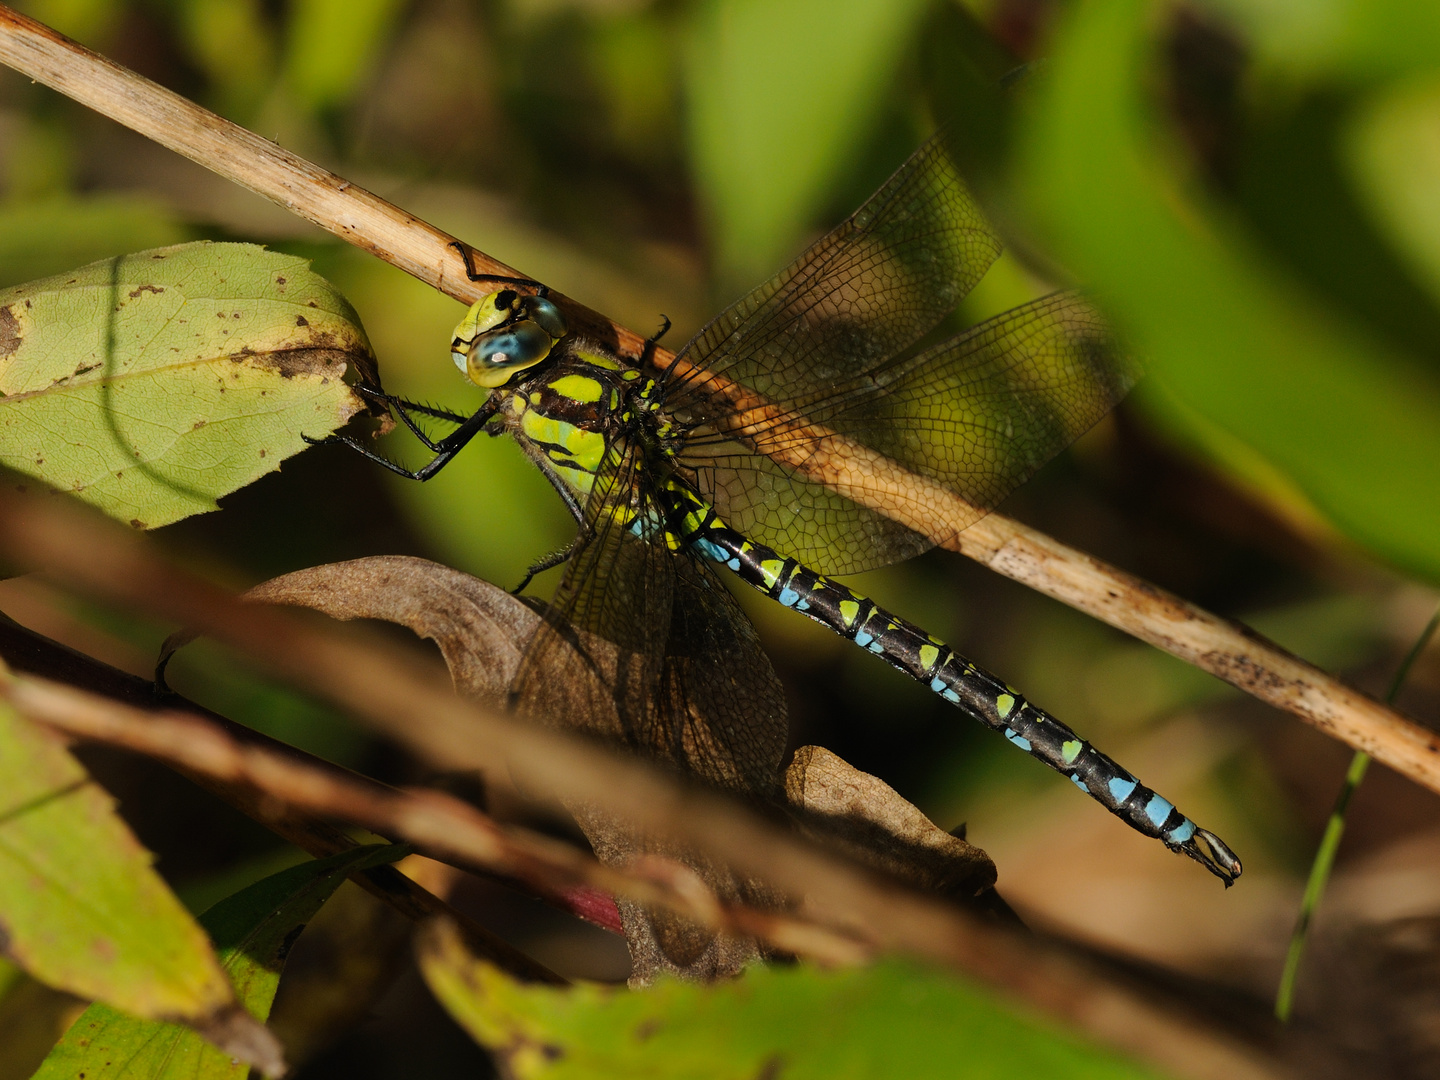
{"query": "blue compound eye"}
(497, 355)
(547, 315)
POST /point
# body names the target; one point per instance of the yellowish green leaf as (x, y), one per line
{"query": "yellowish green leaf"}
(894, 1019)
(1394, 152)
(81, 909)
(253, 931)
(151, 384)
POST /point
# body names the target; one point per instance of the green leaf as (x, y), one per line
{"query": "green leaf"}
(151, 384)
(253, 931)
(780, 95)
(1352, 421)
(332, 44)
(1393, 146)
(1356, 40)
(47, 235)
(893, 1019)
(81, 909)
(231, 41)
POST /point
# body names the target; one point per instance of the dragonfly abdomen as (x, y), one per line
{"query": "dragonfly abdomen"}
(932, 663)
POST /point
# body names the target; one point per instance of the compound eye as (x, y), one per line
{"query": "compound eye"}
(494, 358)
(549, 317)
(485, 314)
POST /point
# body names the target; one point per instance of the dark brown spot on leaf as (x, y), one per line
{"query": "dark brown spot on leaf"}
(9, 331)
(300, 320)
(279, 280)
(262, 451)
(157, 290)
(313, 361)
(136, 523)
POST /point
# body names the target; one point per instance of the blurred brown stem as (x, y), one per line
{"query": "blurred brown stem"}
(277, 782)
(25, 651)
(414, 704)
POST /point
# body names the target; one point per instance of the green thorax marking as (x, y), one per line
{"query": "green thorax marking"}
(574, 408)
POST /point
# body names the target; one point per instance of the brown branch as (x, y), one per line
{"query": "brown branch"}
(413, 704)
(25, 651)
(439, 825)
(1226, 649)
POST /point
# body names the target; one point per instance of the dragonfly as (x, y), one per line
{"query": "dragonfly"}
(674, 471)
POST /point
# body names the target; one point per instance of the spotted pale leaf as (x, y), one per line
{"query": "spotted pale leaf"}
(152, 384)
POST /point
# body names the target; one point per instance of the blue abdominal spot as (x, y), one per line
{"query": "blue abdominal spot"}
(711, 550)
(1158, 810)
(1182, 832)
(1120, 789)
(788, 597)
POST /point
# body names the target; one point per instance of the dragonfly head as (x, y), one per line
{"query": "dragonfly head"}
(504, 334)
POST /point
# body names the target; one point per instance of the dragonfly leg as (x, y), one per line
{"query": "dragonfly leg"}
(654, 339)
(403, 408)
(445, 450)
(549, 562)
(471, 273)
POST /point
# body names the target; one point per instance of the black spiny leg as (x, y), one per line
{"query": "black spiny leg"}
(445, 449)
(649, 347)
(554, 559)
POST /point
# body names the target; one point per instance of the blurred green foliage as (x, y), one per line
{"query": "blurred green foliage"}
(896, 1018)
(1248, 186)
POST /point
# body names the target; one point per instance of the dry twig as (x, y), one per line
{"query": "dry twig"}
(439, 825)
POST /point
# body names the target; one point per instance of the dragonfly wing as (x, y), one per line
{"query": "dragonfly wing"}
(977, 414)
(872, 287)
(647, 648)
(597, 655)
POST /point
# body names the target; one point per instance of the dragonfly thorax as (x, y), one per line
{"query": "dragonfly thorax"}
(575, 408)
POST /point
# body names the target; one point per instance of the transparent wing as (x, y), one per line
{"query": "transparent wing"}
(977, 414)
(872, 287)
(646, 646)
